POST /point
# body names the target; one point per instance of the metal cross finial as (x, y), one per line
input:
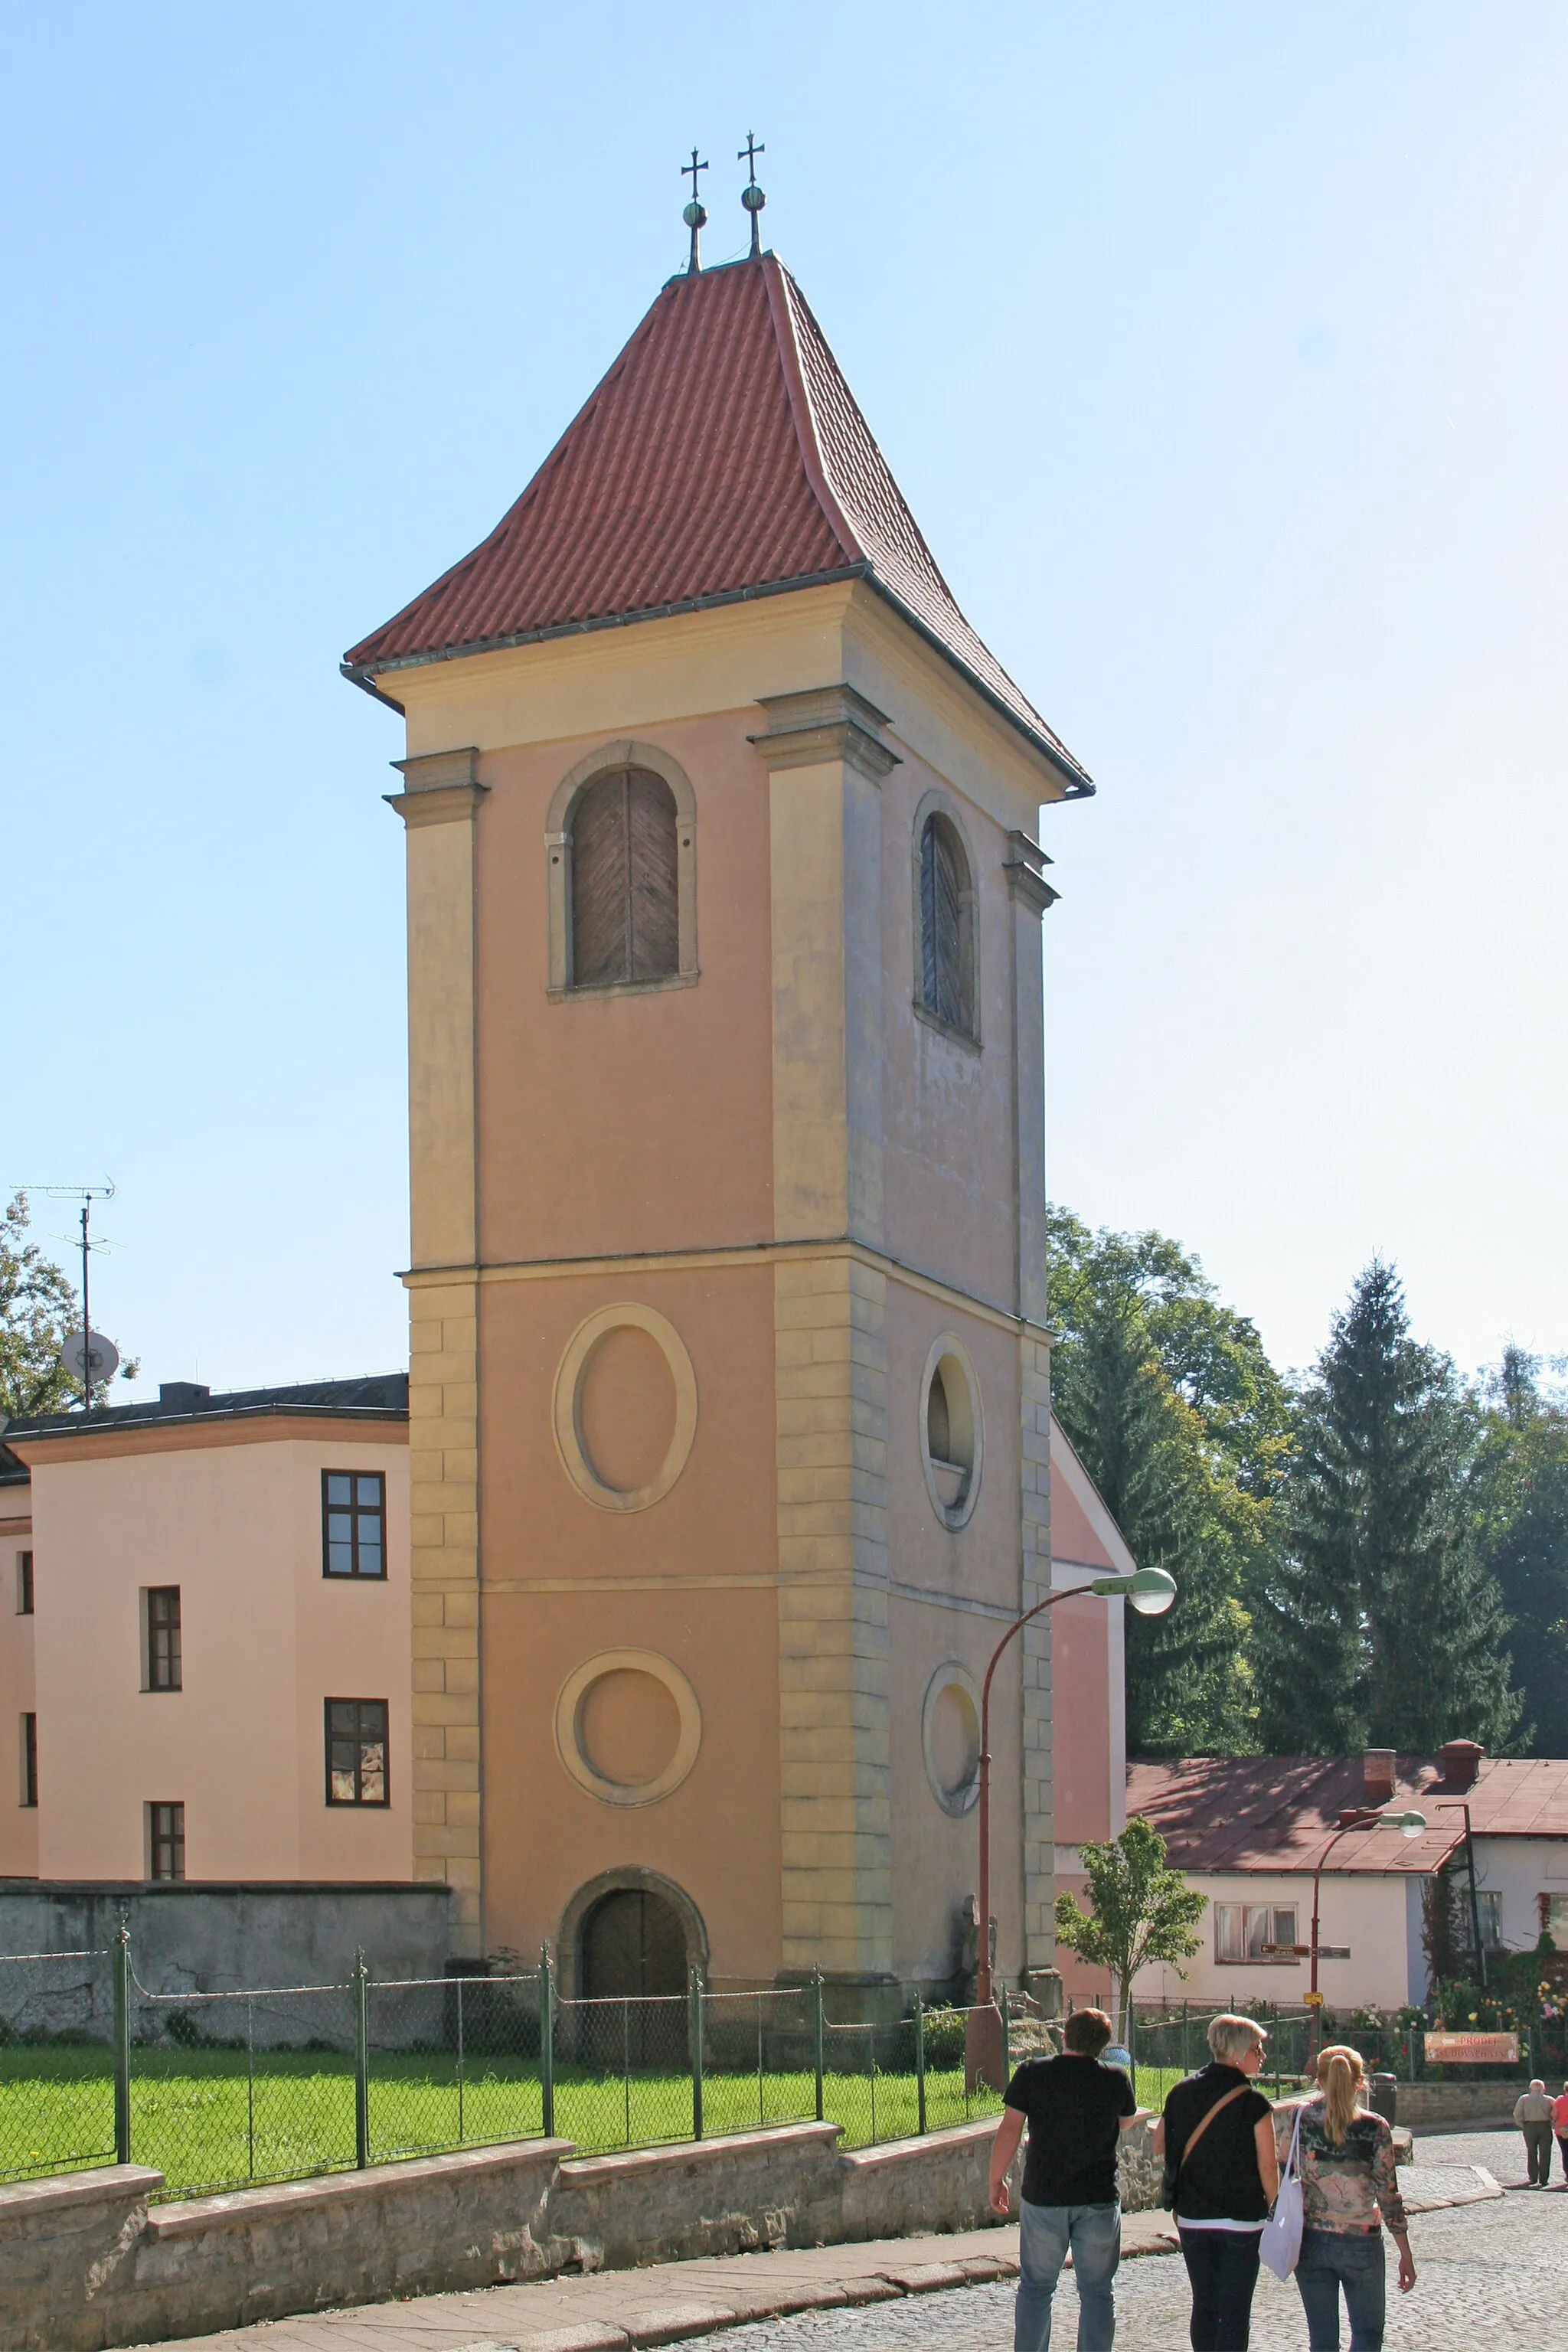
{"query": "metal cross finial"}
(752, 195)
(695, 214)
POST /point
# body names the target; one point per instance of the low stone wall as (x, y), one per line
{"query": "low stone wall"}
(1141, 2172)
(1426, 2104)
(87, 2263)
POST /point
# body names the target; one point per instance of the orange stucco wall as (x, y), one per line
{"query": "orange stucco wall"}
(265, 1637)
(782, 1114)
(691, 1578)
(625, 1122)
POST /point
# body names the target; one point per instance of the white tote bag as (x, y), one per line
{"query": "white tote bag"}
(1281, 2245)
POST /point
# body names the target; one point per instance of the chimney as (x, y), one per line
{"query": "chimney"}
(181, 1396)
(1462, 1762)
(1377, 1776)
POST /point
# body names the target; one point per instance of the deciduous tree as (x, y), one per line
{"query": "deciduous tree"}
(1183, 1423)
(1140, 1910)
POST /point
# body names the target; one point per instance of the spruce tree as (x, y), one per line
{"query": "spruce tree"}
(1382, 1626)
(1520, 1490)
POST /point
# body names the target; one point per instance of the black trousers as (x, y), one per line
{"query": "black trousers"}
(1221, 2267)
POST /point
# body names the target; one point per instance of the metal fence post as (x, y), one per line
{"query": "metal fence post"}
(459, 2061)
(121, 1955)
(695, 2029)
(546, 2044)
(362, 2060)
(818, 2034)
(920, 2064)
(1007, 2037)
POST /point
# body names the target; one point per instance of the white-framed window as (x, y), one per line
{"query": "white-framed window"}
(1244, 1931)
(1488, 1903)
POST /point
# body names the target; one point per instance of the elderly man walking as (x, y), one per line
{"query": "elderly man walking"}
(1533, 2115)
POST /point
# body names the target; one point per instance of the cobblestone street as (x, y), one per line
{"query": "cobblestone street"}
(1490, 2275)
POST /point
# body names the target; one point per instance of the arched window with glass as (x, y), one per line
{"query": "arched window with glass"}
(946, 977)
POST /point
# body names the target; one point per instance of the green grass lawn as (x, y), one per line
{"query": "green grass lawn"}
(205, 2124)
(198, 2117)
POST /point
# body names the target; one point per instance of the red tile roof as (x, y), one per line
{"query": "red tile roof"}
(1277, 1813)
(722, 456)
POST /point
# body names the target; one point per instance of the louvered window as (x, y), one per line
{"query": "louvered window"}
(624, 896)
(947, 927)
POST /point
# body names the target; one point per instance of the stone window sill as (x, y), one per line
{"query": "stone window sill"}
(623, 987)
(945, 1028)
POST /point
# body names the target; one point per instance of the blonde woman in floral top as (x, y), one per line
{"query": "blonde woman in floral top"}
(1350, 2195)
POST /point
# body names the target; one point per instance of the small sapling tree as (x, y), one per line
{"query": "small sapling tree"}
(1140, 1911)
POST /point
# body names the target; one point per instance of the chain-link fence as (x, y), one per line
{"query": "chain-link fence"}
(452, 2062)
(57, 2047)
(229, 2088)
(220, 2089)
(1168, 2040)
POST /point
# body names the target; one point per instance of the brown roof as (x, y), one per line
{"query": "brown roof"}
(1277, 1813)
(722, 456)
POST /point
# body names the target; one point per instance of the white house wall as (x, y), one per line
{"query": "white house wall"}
(1372, 1916)
(1520, 1870)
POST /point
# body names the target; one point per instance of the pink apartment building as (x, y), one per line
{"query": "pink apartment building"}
(205, 1637)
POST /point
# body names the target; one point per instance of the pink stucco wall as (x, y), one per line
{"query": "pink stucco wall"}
(266, 1638)
(1088, 1712)
(18, 1823)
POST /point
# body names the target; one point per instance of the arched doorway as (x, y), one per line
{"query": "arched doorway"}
(634, 1972)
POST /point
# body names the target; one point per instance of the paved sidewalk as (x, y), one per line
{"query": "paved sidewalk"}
(613, 2311)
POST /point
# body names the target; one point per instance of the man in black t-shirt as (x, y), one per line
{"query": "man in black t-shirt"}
(1077, 2110)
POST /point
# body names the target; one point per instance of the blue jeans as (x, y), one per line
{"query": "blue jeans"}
(1331, 2259)
(1046, 2234)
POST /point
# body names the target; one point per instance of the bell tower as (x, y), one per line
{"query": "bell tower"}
(730, 1380)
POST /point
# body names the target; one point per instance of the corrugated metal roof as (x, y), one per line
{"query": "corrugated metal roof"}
(1277, 1813)
(724, 455)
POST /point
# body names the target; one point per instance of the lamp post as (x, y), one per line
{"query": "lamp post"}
(1462, 1805)
(1151, 1590)
(1409, 1825)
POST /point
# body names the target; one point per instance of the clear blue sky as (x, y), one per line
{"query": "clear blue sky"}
(1220, 351)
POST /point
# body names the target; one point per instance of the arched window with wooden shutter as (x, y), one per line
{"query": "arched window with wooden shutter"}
(947, 927)
(626, 914)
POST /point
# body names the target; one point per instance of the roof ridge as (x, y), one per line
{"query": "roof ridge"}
(781, 286)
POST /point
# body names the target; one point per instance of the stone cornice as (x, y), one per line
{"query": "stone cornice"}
(824, 723)
(1024, 866)
(442, 786)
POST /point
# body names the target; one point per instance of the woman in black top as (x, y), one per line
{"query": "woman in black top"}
(1227, 2177)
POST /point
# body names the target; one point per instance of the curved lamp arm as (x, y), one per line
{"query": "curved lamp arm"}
(1151, 1592)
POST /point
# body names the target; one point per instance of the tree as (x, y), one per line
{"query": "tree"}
(1140, 1911)
(1380, 1625)
(38, 1306)
(1183, 1423)
(1518, 1496)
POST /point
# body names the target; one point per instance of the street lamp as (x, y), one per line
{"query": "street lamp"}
(1409, 1825)
(1462, 1805)
(1151, 1592)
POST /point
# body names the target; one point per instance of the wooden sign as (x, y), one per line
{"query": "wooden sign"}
(1471, 2049)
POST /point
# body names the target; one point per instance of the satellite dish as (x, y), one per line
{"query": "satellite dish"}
(90, 1356)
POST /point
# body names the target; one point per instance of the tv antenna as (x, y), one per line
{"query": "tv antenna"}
(85, 1353)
